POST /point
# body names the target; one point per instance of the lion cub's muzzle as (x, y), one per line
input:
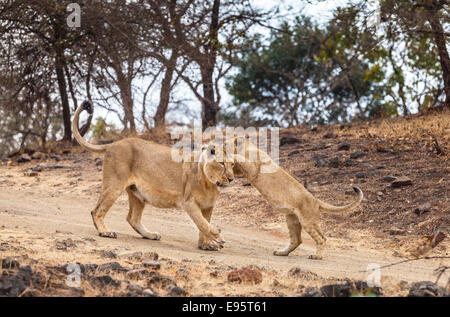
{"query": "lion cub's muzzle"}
(225, 182)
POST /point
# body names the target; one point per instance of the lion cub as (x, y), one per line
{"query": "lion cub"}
(149, 175)
(285, 194)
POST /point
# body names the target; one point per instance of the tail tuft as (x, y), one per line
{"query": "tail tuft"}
(87, 105)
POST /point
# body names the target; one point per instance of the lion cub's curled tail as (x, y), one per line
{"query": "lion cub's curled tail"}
(330, 208)
(86, 105)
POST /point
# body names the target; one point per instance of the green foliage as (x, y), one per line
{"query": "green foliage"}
(102, 130)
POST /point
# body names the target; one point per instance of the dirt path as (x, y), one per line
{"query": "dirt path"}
(35, 214)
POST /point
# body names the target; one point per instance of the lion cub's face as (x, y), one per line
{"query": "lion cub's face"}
(217, 169)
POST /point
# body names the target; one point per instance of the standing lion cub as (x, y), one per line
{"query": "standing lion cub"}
(285, 194)
(149, 175)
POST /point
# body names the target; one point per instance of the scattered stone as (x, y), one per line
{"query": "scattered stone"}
(349, 162)
(289, 140)
(112, 267)
(10, 263)
(31, 174)
(361, 175)
(426, 289)
(245, 275)
(348, 289)
(321, 163)
(56, 157)
(394, 231)
(98, 161)
(303, 274)
(38, 156)
(151, 256)
(344, 146)
(105, 280)
(65, 245)
(329, 135)
(312, 292)
(152, 265)
(24, 158)
(334, 162)
(317, 157)
(160, 280)
(357, 155)
(109, 254)
(41, 167)
(424, 208)
(174, 290)
(135, 256)
(295, 152)
(401, 182)
(140, 274)
(389, 179)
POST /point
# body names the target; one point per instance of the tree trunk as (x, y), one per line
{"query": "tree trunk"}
(160, 116)
(210, 108)
(439, 39)
(127, 101)
(59, 66)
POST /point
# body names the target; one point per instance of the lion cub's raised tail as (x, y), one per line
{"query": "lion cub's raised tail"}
(330, 208)
(86, 105)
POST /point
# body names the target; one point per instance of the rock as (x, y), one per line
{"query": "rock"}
(152, 265)
(329, 135)
(361, 175)
(348, 289)
(396, 231)
(349, 162)
(312, 292)
(31, 174)
(160, 280)
(140, 274)
(65, 244)
(321, 163)
(98, 161)
(389, 179)
(317, 157)
(56, 157)
(245, 275)
(135, 256)
(174, 290)
(426, 207)
(104, 280)
(426, 289)
(357, 155)
(38, 156)
(303, 274)
(10, 263)
(289, 140)
(41, 167)
(295, 152)
(24, 158)
(109, 254)
(344, 146)
(334, 162)
(401, 182)
(148, 292)
(111, 267)
(151, 256)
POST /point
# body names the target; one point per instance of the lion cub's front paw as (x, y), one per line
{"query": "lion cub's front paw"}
(111, 235)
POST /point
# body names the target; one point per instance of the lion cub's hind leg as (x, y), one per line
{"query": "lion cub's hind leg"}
(315, 232)
(295, 234)
(134, 217)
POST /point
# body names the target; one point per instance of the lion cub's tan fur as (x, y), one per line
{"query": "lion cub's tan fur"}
(149, 175)
(285, 194)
